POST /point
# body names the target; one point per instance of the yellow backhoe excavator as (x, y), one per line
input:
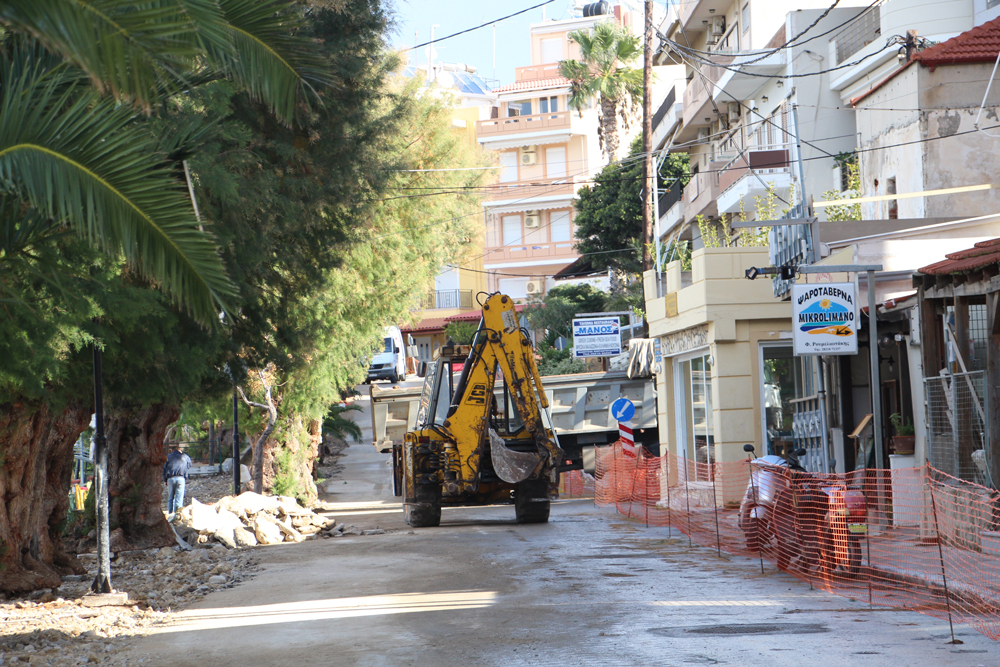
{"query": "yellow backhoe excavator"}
(467, 449)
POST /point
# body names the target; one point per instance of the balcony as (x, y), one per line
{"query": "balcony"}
(671, 209)
(501, 128)
(698, 97)
(561, 251)
(536, 72)
(666, 117)
(443, 299)
(739, 180)
(518, 190)
(693, 14)
(743, 84)
(700, 195)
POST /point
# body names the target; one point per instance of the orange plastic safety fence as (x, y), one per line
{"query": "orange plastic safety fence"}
(576, 484)
(913, 538)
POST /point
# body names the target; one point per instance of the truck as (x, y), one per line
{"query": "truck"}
(390, 363)
(576, 406)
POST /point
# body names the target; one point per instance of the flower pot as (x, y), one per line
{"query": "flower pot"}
(903, 444)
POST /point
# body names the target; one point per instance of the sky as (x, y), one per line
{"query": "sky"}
(473, 48)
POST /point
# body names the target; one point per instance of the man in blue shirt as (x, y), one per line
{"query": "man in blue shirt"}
(175, 472)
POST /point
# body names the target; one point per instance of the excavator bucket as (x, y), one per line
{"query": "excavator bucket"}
(510, 466)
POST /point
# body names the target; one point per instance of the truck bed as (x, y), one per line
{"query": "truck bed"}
(580, 405)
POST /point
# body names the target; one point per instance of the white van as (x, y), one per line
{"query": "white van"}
(390, 363)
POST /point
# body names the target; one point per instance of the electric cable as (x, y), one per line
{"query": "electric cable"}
(483, 25)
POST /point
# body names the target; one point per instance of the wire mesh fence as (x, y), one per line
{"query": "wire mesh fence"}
(956, 425)
(916, 538)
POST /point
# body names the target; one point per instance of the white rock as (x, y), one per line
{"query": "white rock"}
(216, 580)
(227, 465)
(228, 521)
(266, 531)
(244, 538)
(254, 503)
(225, 535)
(203, 517)
(292, 534)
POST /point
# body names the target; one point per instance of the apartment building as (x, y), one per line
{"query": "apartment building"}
(452, 296)
(546, 152)
(753, 112)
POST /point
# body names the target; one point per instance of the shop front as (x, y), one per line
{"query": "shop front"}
(727, 376)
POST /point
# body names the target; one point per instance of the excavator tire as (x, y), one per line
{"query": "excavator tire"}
(531, 501)
(424, 511)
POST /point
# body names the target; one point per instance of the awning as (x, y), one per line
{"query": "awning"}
(524, 139)
(529, 203)
(428, 324)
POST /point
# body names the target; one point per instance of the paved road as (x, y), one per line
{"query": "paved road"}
(588, 588)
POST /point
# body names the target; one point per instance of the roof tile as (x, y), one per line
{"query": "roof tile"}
(982, 254)
(981, 44)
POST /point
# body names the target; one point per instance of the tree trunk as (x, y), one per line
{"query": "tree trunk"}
(609, 128)
(36, 466)
(135, 472)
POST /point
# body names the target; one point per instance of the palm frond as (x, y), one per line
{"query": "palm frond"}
(79, 158)
(266, 54)
(126, 48)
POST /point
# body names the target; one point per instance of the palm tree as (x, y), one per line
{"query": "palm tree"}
(607, 52)
(77, 80)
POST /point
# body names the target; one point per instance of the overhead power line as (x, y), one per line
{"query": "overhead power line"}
(483, 25)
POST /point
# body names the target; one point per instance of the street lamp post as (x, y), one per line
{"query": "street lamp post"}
(236, 442)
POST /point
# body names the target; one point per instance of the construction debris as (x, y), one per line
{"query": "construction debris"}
(250, 519)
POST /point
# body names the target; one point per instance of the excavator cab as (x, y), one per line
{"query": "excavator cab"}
(466, 449)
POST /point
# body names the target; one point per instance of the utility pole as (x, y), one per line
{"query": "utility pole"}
(648, 174)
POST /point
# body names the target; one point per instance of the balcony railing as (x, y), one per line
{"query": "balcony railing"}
(667, 105)
(535, 72)
(520, 124)
(536, 188)
(451, 298)
(670, 196)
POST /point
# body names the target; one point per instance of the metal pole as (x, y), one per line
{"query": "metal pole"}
(944, 576)
(814, 242)
(876, 395)
(236, 444)
(821, 393)
(715, 503)
(102, 582)
(656, 225)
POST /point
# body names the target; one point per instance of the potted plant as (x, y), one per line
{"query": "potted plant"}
(903, 441)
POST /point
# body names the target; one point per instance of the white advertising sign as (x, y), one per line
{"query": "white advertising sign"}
(825, 318)
(596, 337)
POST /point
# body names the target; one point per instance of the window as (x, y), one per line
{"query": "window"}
(555, 162)
(559, 226)
(552, 51)
(548, 105)
(508, 166)
(511, 229)
(786, 379)
(693, 396)
(519, 108)
(745, 18)
(515, 288)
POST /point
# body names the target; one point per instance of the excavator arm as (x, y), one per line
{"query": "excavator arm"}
(499, 344)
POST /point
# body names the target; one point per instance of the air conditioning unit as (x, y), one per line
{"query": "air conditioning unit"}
(529, 149)
(532, 221)
(535, 286)
(734, 112)
(529, 158)
(717, 25)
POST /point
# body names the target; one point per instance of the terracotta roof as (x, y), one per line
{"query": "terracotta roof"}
(982, 254)
(979, 45)
(426, 324)
(557, 82)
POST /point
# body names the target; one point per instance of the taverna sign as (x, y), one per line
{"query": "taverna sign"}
(825, 318)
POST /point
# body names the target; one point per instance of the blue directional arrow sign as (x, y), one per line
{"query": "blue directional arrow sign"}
(623, 410)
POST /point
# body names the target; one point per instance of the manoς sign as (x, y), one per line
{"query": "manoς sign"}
(596, 337)
(825, 318)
